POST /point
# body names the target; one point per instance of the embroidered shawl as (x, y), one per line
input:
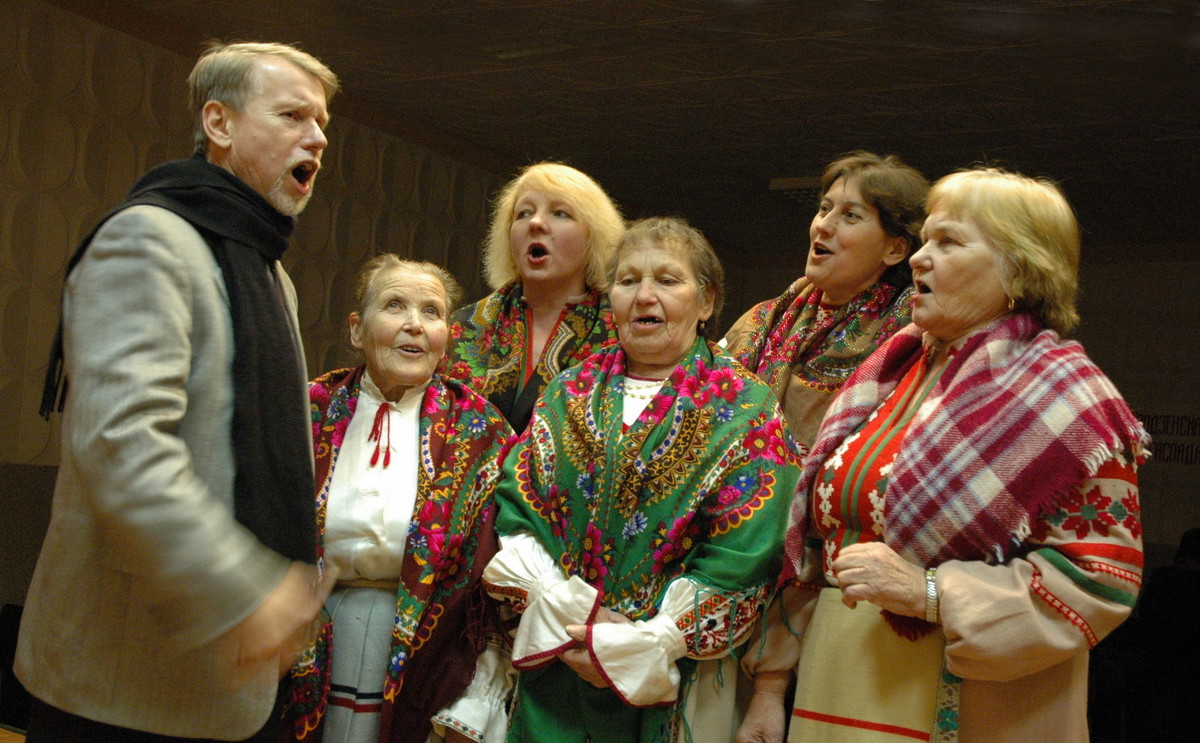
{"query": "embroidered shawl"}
(489, 345)
(1017, 420)
(698, 485)
(805, 352)
(442, 617)
(789, 334)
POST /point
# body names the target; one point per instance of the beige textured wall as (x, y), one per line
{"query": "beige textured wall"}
(84, 110)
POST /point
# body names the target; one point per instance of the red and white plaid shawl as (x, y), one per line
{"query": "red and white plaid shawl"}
(1019, 418)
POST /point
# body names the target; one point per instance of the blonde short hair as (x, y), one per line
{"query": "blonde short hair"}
(593, 208)
(222, 74)
(1034, 231)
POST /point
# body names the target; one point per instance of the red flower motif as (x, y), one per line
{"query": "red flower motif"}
(432, 405)
(1133, 516)
(690, 387)
(726, 384)
(656, 410)
(444, 549)
(433, 522)
(676, 543)
(593, 564)
(728, 495)
(769, 442)
(582, 382)
(1087, 511)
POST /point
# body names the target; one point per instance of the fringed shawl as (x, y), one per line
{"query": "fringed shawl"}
(443, 617)
(699, 485)
(489, 341)
(1018, 419)
(628, 511)
(789, 334)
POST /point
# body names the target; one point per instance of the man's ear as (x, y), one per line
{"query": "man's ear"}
(218, 124)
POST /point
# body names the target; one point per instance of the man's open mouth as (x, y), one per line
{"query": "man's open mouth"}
(304, 172)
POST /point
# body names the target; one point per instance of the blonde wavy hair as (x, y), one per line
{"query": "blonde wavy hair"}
(593, 208)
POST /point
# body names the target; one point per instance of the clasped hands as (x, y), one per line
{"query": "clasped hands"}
(577, 657)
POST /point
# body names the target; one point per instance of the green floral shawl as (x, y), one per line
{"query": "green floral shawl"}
(699, 486)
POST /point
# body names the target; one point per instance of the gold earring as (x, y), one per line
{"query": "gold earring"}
(1011, 304)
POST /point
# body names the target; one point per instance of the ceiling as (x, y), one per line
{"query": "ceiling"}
(692, 107)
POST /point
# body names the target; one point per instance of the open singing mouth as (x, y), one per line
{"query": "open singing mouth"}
(304, 172)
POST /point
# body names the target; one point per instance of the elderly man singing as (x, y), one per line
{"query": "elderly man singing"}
(177, 579)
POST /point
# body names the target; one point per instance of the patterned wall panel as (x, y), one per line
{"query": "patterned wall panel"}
(84, 110)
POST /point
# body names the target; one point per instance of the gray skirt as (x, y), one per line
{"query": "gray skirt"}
(362, 642)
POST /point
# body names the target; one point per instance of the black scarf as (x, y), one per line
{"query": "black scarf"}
(274, 478)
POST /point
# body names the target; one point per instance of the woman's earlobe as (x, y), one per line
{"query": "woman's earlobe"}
(899, 253)
(355, 341)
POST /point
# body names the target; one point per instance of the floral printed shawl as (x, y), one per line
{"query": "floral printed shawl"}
(708, 462)
(1017, 420)
(442, 615)
(790, 335)
(489, 346)
(698, 486)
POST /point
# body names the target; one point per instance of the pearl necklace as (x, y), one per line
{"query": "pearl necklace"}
(643, 389)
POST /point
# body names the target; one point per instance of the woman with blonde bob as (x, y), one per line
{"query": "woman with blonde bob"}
(974, 488)
(553, 230)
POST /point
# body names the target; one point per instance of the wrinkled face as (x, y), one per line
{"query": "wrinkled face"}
(275, 143)
(548, 241)
(403, 329)
(956, 274)
(657, 303)
(848, 249)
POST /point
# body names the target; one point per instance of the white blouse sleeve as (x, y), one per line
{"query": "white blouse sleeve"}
(695, 621)
(481, 713)
(524, 574)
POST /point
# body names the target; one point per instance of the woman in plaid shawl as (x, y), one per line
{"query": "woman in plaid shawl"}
(406, 466)
(641, 515)
(973, 490)
(552, 231)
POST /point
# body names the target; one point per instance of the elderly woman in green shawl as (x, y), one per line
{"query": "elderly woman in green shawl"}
(641, 514)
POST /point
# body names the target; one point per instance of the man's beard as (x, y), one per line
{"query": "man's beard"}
(283, 201)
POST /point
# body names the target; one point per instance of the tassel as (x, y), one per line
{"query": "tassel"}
(381, 419)
(910, 628)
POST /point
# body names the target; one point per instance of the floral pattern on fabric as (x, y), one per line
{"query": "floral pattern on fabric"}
(463, 439)
(628, 511)
(692, 495)
(792, 335)
(489, 345)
